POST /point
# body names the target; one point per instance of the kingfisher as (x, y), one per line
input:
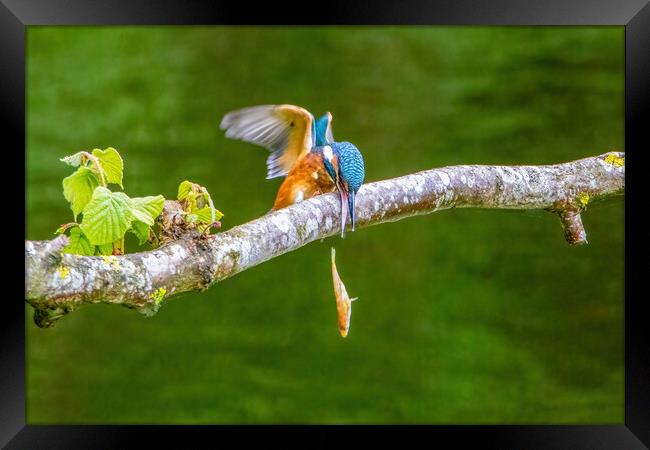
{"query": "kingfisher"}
(304, 151)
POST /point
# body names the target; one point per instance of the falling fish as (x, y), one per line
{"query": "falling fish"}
(343, 301)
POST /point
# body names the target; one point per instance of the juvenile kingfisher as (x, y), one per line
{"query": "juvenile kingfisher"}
(302, 149)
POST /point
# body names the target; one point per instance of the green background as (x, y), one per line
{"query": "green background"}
(464, 316)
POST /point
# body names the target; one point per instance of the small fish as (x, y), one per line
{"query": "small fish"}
(343, 301)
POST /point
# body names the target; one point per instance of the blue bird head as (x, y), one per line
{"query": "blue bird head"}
(344, 164)
(323, 130)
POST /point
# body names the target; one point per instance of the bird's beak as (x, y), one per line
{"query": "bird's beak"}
(343, 193)
(351, 195)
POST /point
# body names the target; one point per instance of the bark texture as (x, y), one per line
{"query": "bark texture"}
(57, 283)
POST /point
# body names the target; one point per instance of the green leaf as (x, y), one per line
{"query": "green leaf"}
(107, 216)
(198, 205)
(146, 209)
(184, 189)
(79, 244)
(141, 230)
(78, 189)
(112, 164)
(205, 215)
(105, 249)
(73, 160)
(142, 216)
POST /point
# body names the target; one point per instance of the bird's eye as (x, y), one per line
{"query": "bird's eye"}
(291, 124)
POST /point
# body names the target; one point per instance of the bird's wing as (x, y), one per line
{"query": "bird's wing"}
(285, 130)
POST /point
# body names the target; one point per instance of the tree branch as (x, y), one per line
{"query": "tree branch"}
(56, 283)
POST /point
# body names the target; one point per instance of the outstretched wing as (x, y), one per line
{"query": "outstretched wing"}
(286, 130)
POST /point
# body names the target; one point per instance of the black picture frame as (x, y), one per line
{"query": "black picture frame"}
(15, 15)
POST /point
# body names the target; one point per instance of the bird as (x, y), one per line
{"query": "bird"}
(303, 150)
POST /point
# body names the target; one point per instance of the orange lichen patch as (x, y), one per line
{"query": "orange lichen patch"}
(583, 200)
(615, 160)
(112, 261)
(158, 294)
(63, 271)
(343, 301)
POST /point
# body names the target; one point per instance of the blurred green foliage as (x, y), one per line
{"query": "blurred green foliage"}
(465, 316)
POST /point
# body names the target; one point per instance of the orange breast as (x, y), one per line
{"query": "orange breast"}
(306, 179)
